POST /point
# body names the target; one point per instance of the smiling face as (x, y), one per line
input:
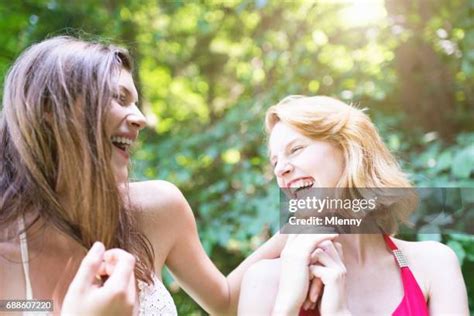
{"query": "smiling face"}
(123, 123)
(300, 161)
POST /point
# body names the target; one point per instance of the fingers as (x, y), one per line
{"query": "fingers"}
(307, 303)
(325, 259)
(328, 274)
(314, 257)
(319, 272)
(329, 248)
(88, 269)
(299, 248)
(311, 241)
(330, 258)
(315, 289)
(339, 250)
(120, 267)
(102, 271)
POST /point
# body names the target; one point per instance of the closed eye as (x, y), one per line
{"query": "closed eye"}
(296, 149)
(120, 98)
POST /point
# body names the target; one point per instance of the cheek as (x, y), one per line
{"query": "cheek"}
(113, 118)
(324, 164)
(337, 161)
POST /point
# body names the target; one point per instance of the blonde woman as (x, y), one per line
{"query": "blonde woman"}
(69, 118)
(322, 142)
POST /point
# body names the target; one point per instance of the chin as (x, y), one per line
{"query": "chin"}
(121, 173)
(121, 177)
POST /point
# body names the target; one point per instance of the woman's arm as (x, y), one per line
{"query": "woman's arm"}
(279, 287)
(447, 290)
(169, 223)
(260, 288)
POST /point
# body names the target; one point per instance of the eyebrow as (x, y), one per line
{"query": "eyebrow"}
(128, 92)
(294, 140)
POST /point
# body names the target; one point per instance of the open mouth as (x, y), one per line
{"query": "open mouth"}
(299, 187)
(122, 143)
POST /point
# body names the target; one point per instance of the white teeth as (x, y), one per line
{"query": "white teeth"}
(122, 140)
(304, 183)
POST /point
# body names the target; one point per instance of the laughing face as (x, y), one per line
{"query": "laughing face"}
(123, 123)
(300, 162)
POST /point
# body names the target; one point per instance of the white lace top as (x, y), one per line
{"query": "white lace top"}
(155, 300)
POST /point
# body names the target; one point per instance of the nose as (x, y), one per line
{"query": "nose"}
(283, 168)
(136, 118)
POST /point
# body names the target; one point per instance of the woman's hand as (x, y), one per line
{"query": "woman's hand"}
(88, 296)
(331, 270)
(295, 273)
(315, 289)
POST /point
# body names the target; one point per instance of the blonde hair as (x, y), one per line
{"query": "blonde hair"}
(55, 156)
(367, 161)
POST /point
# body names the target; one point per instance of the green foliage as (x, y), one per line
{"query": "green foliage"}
(438, 165)
(207, 70)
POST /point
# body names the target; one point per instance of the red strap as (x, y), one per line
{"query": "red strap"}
(389, 242)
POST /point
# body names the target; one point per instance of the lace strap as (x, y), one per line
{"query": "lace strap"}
(24, 258)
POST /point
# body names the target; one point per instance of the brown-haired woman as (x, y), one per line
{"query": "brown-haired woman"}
(321, 142)
(69, 117)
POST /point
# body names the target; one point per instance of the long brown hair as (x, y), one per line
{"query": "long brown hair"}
(55, 159)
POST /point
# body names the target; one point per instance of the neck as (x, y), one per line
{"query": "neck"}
(54, 241)
(361, 248)
(10, 236)
(44, 238)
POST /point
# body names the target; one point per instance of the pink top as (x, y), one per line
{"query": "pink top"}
(413, 301)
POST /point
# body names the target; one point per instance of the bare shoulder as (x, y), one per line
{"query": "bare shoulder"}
(439, 268)
(156, 196)
(160, 205)
(162, 213)
(427, 253)
(427, 259)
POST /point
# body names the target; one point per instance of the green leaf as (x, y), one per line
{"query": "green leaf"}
(444, 161)
(463, 163)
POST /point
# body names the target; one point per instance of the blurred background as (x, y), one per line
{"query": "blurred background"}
(207, 70)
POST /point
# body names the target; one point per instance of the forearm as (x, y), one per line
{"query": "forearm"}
(284, 308)
(269, 250)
